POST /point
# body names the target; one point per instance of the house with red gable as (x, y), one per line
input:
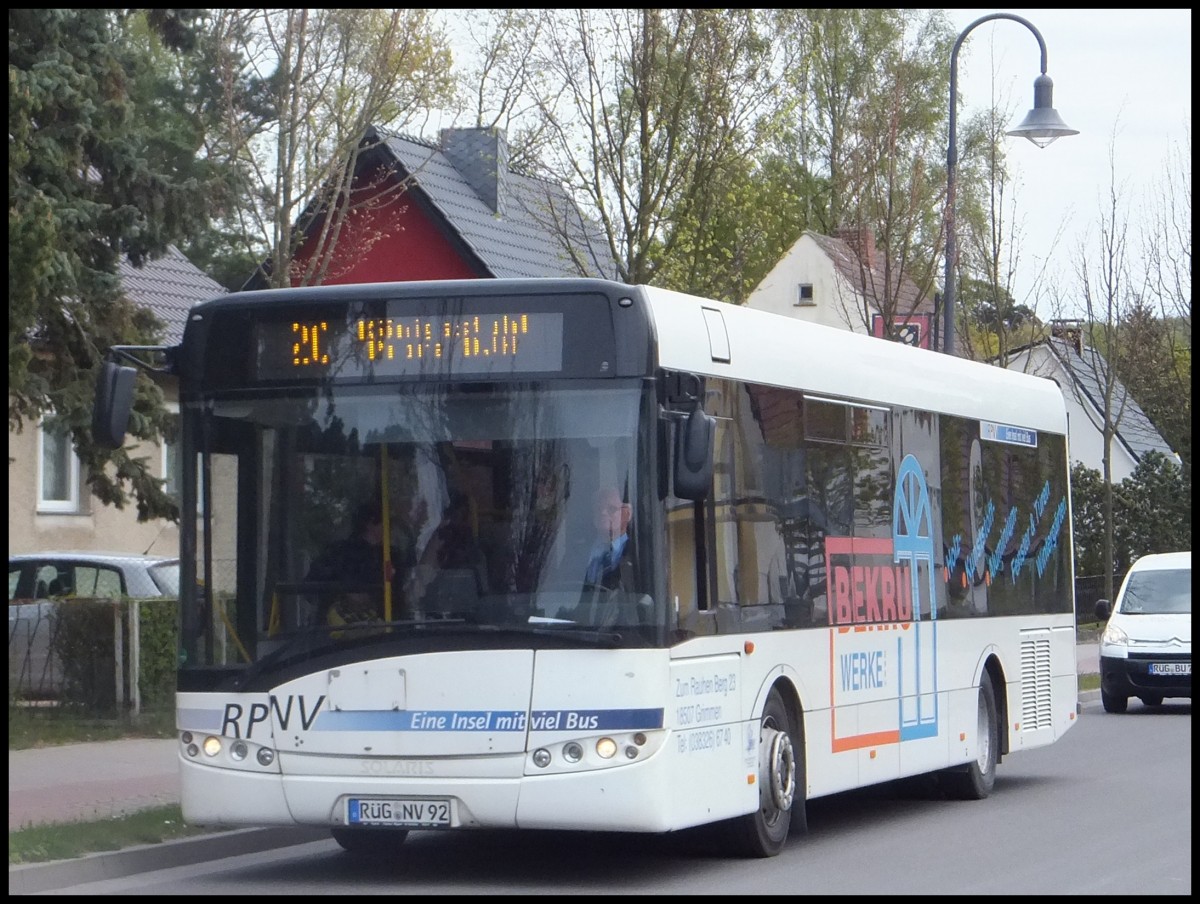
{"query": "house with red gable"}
(451, 210)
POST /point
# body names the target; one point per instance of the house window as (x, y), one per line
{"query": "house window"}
(58, 468)
(172, 474)
(805, 296)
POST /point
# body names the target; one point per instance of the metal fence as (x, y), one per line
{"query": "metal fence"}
(1088, 589)
(91, 653)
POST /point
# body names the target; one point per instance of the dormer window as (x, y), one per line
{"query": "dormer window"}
(804, 297)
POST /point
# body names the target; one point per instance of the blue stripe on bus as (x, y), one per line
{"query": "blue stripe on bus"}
(489, 720)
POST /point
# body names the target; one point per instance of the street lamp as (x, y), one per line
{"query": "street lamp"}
(1042, 125)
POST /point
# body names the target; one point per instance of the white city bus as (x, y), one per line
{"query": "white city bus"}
(851, 562)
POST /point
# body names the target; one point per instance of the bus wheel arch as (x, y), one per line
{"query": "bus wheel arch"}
(975, 780)
(799, 808)
(995, 671)
(781, 779)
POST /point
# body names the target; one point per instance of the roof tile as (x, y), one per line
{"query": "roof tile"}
(168, 287)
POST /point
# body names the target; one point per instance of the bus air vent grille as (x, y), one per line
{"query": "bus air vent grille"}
(1035, 684)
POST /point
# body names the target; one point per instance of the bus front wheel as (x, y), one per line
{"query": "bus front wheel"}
(781, 785)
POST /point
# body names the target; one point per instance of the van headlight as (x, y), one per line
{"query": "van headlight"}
(1114, 641)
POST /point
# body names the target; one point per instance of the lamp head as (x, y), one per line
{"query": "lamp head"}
(1042, 125)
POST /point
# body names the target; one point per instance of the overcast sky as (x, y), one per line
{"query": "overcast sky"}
(1122, 77)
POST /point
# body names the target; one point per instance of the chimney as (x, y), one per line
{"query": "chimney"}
(861, 240)
(1069, 331)
(481, 157)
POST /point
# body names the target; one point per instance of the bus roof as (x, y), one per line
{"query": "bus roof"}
(775, 350)
(762, 347)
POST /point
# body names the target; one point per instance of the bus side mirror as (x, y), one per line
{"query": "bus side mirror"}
(1103, 610)
(114, 401)
(693, 455)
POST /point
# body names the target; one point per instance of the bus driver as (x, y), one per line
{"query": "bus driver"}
(611, 555)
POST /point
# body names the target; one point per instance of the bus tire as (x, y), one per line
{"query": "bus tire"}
(974, 781)
(781, 785)
(374, 842)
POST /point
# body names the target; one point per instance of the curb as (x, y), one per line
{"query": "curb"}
(31, 878)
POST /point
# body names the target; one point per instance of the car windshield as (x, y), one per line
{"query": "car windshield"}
(1158, 592)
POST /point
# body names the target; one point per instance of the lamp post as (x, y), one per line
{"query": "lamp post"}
(1042, 125)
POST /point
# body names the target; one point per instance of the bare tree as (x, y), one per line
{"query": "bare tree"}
(505, 85)
(301, 87)
(1106, 288)
(1167, 255)
(654, 102)
(875, 95)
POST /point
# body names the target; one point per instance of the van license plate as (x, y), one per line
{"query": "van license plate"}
(1170, 668)
(397, 812)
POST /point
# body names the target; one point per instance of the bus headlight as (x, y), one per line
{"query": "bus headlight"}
(572, 752)
(239, 750)
(606, 748)
(265, 756)
(541, 758)
(212, 745)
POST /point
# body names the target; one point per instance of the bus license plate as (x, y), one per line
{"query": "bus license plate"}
(397, 812)
(1170, 668)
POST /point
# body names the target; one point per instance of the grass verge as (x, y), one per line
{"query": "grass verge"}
(66, 841)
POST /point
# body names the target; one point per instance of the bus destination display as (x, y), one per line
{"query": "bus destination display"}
(447, 345)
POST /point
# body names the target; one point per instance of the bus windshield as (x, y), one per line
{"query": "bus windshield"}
(351, 512)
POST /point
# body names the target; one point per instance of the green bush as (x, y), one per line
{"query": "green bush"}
(159, 632)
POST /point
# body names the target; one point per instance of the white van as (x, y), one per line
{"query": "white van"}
(1146, 648)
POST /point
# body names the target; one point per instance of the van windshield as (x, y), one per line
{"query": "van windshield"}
(1158, 593)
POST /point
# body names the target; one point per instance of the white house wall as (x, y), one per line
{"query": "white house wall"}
(94, 528)
(805, 262)
(1084, 435)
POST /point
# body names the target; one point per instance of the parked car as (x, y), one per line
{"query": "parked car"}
(49, 575)
(1146, 647)
(40, 582)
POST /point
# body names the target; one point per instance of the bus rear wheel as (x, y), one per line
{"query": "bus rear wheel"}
(975, 780)
(781, 786)
(376, 842)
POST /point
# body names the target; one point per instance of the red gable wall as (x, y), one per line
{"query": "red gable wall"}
(391, 241)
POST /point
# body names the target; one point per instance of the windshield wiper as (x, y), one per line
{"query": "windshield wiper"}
(308, 640)
(574, 632)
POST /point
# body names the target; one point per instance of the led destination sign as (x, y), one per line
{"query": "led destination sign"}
(495, 343)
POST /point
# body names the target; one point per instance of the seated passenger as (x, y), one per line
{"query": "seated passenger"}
(357, 563)
(452, 550)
